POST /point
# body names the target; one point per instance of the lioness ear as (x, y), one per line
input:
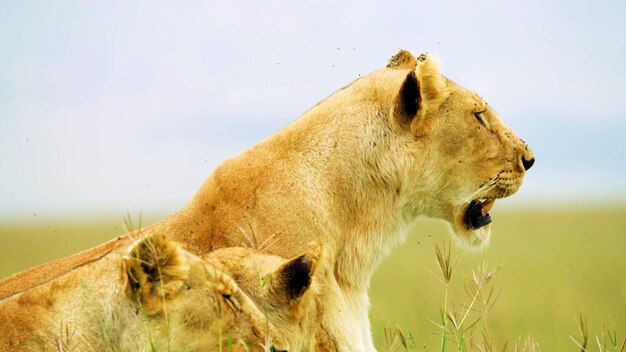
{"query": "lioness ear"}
(421, 95)
(155, 269)
(403, 59)
(292, 279)
(432, 83)
(408, 100)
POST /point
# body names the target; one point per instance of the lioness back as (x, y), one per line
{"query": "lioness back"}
(43, 273)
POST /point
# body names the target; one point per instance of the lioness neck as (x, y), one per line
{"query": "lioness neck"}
(335, 176)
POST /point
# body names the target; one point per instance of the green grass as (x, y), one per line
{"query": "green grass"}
(557, 264)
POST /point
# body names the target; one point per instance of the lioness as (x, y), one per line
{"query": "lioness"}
(354, 173)
(157, 296)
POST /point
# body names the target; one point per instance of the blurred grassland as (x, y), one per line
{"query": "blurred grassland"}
(556, 265)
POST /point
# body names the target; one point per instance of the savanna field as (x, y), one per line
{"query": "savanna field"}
(555, 265)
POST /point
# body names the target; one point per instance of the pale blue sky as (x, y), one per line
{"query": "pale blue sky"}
(112, 106)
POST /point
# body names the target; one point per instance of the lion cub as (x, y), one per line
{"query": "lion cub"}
(289, 292)
(157, 296)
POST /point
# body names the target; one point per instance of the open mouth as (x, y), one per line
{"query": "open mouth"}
(477, 213)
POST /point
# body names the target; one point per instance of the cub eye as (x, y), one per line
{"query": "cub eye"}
(480, 117)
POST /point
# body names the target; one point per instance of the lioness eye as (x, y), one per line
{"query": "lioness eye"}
(480, 118)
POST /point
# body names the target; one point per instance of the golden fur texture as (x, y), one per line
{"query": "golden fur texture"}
(287, 291)
(32, 277)
(153, 296)
(354, 173)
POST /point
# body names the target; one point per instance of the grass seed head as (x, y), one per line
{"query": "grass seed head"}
(447, 265)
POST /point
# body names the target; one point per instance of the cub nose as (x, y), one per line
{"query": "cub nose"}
(528, 163)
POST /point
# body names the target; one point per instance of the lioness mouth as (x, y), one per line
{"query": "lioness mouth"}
(477, 214)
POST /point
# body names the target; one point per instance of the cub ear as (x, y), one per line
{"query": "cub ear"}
(155, 268)
(293, 278)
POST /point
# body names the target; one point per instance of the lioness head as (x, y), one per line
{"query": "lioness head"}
(467, 155)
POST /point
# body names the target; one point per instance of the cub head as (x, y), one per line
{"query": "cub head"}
(188, 304)
(460, 155)
(288, 290)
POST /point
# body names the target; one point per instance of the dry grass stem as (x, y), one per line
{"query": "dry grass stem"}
(447, 266)
(527, 345)
(584, 334)
(396, 340)
(251, 241)
(483, 275)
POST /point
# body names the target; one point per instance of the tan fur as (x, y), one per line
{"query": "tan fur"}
(403, 59)
(156, 270)
(353, 173)
(265, 278)
(153, 295)
(27, 279)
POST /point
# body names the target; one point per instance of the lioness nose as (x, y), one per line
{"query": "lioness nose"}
(528, 163)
